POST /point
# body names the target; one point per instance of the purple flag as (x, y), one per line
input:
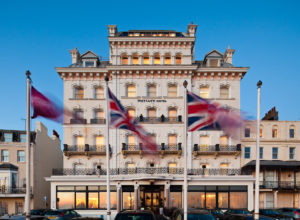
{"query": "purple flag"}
(44, 107)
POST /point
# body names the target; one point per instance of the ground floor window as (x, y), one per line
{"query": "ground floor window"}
(176, 196)
(222, 197)
(19, 208)
(128, 197)
(85, 197)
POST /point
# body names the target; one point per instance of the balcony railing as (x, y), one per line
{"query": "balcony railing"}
(146, 171)
(217, 149)
(77, 121)
(161, 119)
(85, 150)
(279, 185)
(12, 190)
(98, 121)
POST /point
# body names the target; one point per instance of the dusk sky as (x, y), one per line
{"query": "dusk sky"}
(37, 36)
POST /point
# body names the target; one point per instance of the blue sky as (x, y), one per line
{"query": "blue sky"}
(37, 35)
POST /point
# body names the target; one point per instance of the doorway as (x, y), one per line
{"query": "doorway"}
(152, 197)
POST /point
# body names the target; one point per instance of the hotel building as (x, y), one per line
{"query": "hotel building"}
(146, 70)
(45, 155)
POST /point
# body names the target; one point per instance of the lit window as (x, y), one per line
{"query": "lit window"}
(204, 92)
(98, 93)
(172, 168)
(261, 152)
(135, 59)
(292, 153)
(213, 63)
(131, 140)
(247, 153)
(172, 112)
(172, 90)
(151, 91)
(224, 92)
(146, 59)
(156, 58)
(151, 112)
(99, 141)
(23, 138)
(131, 112)
(247, 132)
(167, 59)
(124, 59)
(98, 114)
(79, 141)
(4, 155)
(79, 93)
(131, 91)
(172, 139)
(21, 156)
(274, 132)
(204, 142)
(223, 140)
(292, 132)
(178, 59)
(261, 131)
(8, 137)
(274, 153)
(224, 165)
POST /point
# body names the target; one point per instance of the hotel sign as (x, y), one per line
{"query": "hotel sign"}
(152, 100)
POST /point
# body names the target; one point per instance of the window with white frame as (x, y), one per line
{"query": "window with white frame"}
(78, 92)
(223, 140)
(204, 142)
(98, 92)
(172, 139)
(131, 142)
(261, 152)
(292, 131)
(204, 92)
(274, 131)
(79, 140)
(4, 155)
(172, 168)
(131, 91)
(151, 113)
(292, 153)
(146, 59)
(8, 137)
(21, 156)
(23, 138)
(135, 58)
(157, 58)
(172, 90)
(151, 91)
(167, 58)
(178, 59)
(247, 132)
(224, 92)
(172, 112)
(98, 114)
(275, 153)
(247, 152)
(131, 112)
(124, 59)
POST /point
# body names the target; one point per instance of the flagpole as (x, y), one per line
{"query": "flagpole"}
(107, 152)
(185, 185)
(27, 196)
(257, 166)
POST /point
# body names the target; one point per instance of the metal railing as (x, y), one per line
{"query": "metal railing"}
(77, 121)
(85, 148)
(98, 121)
(217, 148)
(161, 119)
(145, 171)
(167, 147)
(12, 190)
(279, 184)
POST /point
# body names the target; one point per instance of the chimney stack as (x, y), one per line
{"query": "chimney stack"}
(191, 30)
(112, 30)
(228, 55)
(75, 55)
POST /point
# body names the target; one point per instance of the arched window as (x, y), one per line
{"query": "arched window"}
(124, 59)
(156, 58)
(78, 92)
(98, 92)
(172, 90)
(274, 131)
(131, 91)
(178, 59)
(204, 92)
(146, 59)
(151, 91)
(292, 131)
(224, 92)
(167, 58)
(131, 112)
(135, 58)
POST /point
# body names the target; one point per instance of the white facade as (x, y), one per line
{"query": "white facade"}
(146, 71)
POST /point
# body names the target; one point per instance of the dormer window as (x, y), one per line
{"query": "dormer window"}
(8, 137)
(89, 64)
(213, 62)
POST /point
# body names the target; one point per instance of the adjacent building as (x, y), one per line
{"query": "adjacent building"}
(45, 155)
(280, 160)
(147, 69)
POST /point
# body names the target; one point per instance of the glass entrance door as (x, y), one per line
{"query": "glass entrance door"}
(152, 198)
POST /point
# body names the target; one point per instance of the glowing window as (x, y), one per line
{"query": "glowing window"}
(124, 59)
(172, 139)
(172, 168)
(99, 139)
(131, 112)
(223, 140)
(131, 91)
(151, 112)
(172, 90)
(156, 59)
(204, 92)
(274, 131)
(79, 140)
(135, 59)
(98, 93)
(98, 114)
(172, 112)
(204, 141)
(79, 93)
(131, 140)
(146, 59)
(178, 59)
(167, 59)
(224, 165)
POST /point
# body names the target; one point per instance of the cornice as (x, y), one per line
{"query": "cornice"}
(147, 39)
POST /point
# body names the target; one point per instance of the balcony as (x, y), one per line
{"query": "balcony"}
(217, 150)
(77, 121)
(283, 185)
(175, 149)
(86, 149)
(13, 191)
(159, 120)
(146, 171)
(98, 121)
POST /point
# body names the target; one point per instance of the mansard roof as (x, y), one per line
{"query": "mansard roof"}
(89, 55)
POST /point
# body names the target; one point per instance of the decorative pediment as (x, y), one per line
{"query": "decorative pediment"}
(214, 54)
(89, 55)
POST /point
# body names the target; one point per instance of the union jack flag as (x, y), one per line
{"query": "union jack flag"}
(119, 118)
(204, 115)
